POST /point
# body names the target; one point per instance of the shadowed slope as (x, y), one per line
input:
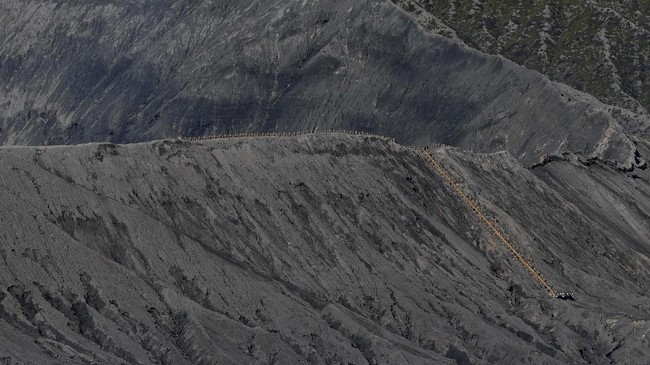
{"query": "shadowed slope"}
(76, 72)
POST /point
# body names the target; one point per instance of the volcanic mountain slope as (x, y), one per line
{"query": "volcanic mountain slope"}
(601, 47)
(125, 71)
(319, 249)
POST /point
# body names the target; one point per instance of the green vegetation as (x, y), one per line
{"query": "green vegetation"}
(601, 47)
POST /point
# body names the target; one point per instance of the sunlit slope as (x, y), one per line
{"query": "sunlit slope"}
(311, 249)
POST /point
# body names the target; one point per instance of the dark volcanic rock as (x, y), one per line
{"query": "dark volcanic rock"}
(130, 71)
(324, 249)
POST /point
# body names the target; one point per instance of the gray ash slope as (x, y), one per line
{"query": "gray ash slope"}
(322, 249)
(129, 71)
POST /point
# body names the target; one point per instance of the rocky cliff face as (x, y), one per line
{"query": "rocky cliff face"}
(601, 47)
(76, 72)
(322, 249)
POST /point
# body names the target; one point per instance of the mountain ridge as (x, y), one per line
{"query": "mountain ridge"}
(597, 47)
(221, 250)
(302, 65)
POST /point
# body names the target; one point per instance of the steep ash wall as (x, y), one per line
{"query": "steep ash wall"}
(74, 72)
(314, 249)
